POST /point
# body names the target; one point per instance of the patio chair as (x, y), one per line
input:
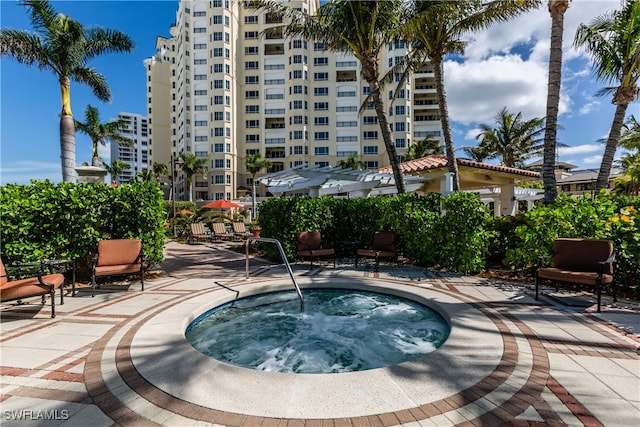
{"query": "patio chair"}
(198, 232)
(240, 230)
(115, 257)
(39, 285)
(220, 232)
(384, 246)
(310, 246)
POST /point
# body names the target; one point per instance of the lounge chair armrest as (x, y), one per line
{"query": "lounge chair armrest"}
(608, 261)
(542, 259)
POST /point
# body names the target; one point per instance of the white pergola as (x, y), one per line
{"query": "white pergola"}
(328, 180)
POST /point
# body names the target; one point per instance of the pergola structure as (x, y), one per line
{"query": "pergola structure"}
(327, 180)
(428, 174)
(494, 183)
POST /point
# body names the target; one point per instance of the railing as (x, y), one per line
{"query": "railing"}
(284, 258)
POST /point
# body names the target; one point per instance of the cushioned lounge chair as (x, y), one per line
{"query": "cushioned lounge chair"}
(310, 246)
(198, 232)
(239, 230)
(220, 232)
(39, 285)
(384, 246)
(116, 257)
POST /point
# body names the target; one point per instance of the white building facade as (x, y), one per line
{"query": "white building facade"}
(138, 154)
(229, 90)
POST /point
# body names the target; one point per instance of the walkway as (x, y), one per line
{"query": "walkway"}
(120, 358)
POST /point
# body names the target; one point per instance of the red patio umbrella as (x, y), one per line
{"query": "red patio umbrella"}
(221, 204)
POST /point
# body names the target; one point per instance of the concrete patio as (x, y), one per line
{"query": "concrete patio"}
(120, 358)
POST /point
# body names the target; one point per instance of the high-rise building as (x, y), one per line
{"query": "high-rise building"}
(137, 154)
(223, 87)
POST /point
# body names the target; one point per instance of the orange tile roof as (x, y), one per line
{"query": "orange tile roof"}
(438, 161)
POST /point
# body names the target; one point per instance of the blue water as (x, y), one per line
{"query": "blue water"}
(339, 331)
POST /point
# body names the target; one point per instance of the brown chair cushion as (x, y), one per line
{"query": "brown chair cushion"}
(119, 252)
(108, 270)
(580, 277)
(29, 287)
(372, 253)
(309, 240)
(385, 241)
(317, 253)
(581, 255)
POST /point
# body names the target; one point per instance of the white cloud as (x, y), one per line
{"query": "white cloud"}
(588, 107)
(592, 160)
(472, 133)
(477, 90)
(579, 149)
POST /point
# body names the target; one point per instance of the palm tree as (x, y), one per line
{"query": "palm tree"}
(146, 175)
(100, 133)
(513, 139)
(436, 29)
(255, 163)
(116, 168)
(192, 165)
(424, 147)
(613, 41)
(64, 47)
(363, 28)
(352, 162)
(557, 8)
(159, 170)
(629, 182)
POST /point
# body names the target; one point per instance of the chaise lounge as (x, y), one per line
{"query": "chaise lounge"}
(39, 285)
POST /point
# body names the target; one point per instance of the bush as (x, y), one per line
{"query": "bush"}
(455, 238)
(61, 221)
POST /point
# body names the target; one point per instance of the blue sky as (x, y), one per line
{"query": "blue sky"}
(504, 66)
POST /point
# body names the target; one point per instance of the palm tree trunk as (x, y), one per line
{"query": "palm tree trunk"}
(556, 10)
(612, 144)
(67, 134)
(444, 120)
(389, 145)
(253, 196)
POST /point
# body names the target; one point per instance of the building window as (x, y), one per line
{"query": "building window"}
(372, 134)
(321, 121)
(297, 74)
(217, 68)
(251, 50)
(297, 105)
(370, 120)
(251, 80)
(217, 52)
(252, 123)
(252, 109)
(370, 149)
(401, 143)
(253, 19)
(218, 147)
(321, 91)
(217, 84)
(321, 106)
(218, 115)
(218, 163)
(321, 136)
(252, 94)
(321, 61)
(400, 126)
(250, 35)
(251, 65)
(217, 36)
(318, 47)
(321, 151)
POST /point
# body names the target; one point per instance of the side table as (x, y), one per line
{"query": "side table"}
(66, 267)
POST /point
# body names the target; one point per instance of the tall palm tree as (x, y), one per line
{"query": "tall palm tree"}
(363, 28)
(557, 8)
(424, 147)
(100, 133)
(613, 41)
(192, 165)
(146, 175)
(115, 169)
(629, 182)
(64, 47)
(436, 29)
(513, 139)
(254, 164)
(352, 162)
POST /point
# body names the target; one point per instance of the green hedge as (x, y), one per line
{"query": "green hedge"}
(44, 220)
(447, 232)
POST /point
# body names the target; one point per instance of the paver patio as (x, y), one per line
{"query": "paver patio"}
(118, 358)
